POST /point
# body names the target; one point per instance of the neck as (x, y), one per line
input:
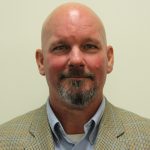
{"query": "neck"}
(73, 118)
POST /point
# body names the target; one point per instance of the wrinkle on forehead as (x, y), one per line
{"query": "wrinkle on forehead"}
(68, 14)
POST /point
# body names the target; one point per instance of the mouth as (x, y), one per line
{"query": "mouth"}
(77, 78)
(76, 75)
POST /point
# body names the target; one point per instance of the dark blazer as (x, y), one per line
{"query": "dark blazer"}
(118, 130)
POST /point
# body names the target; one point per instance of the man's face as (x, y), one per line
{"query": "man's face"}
(76, 60)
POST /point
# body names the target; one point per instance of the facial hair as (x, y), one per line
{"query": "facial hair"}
(75, 95)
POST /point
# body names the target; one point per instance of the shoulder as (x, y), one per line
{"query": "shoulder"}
(21, 120)
(121, 129)
(128, 118)
(136, 128)
(131, 119)
(17, 130)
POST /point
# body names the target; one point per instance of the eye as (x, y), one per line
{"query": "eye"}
(60, 48)
(89, 47)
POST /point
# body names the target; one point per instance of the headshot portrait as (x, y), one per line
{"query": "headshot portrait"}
(75, 75)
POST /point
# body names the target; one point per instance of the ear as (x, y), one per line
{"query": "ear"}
(40, 61)
(110, 57)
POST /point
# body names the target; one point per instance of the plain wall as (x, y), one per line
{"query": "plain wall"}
(127, 24)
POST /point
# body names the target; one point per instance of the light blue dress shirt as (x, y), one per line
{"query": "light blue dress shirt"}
(61, 140)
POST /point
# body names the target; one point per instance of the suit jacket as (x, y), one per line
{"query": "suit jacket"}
(118, 130)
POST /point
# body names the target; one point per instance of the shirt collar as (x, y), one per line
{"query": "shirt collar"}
(96, 121)
(52, 119)
(92, 124)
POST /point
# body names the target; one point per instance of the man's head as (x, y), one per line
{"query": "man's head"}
(75, 57)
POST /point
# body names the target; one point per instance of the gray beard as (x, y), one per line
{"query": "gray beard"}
(78, 99)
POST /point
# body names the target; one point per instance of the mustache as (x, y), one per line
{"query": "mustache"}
(76, 73)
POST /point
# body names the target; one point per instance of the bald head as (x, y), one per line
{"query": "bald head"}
(70, 14)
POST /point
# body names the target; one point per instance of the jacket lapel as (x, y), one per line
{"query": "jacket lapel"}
(40, 131)
(111, 130)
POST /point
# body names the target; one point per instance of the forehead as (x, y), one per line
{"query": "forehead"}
(73, 24)
(82, 29)
(76, 26)
(74, 34)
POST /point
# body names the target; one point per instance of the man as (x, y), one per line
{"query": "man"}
(75, 59)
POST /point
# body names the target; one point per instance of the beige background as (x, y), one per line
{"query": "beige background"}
(127, 25)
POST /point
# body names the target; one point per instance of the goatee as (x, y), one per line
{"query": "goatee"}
(74, 93)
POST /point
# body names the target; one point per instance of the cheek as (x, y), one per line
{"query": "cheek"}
(55, 64)
(97, 64)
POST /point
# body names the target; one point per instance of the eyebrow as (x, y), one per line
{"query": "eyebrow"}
(64, 41)
(92, 40)
(58, 42)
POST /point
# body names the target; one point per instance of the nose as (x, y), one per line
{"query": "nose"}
(76, 58)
